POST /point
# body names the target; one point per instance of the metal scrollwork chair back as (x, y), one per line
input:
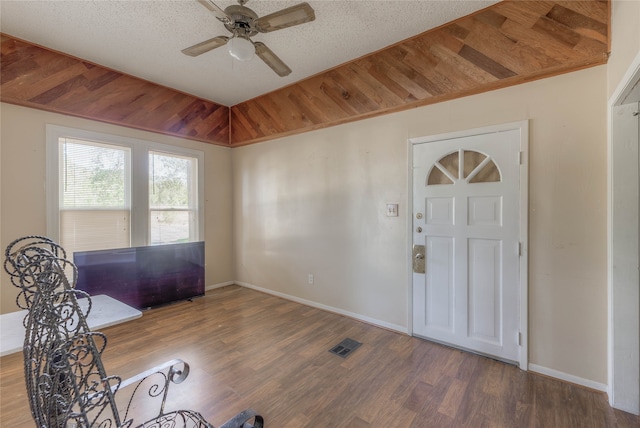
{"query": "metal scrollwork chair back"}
(66, 381)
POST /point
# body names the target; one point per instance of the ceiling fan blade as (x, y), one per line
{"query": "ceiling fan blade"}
(272, 59)
(205, 46)
(217, 11)
(294, 15)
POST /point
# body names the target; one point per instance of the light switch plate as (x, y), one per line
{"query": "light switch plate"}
(392, 210)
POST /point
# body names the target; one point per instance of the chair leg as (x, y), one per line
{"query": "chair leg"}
(241, 420)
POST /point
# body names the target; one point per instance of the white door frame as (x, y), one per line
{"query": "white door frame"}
(622, 395)
(523, 127)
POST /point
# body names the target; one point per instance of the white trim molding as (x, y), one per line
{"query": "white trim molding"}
(568, 377)
(359, 317)
(622, 362)
(219, 285)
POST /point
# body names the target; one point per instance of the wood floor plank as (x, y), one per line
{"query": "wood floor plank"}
(453, 398)
(249, 349)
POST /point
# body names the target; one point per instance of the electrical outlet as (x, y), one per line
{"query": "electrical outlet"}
(310, 278)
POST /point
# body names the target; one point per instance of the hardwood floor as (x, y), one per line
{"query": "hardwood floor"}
(249, 349)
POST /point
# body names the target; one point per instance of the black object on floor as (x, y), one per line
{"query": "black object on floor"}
(345, 348)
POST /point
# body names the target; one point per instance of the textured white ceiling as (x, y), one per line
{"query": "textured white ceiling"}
(143, 38)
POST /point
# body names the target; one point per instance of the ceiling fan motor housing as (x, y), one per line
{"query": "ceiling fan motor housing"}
(241, 20)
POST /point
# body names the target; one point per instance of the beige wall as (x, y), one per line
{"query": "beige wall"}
(315, 203)
(625, 39)
(22, 180)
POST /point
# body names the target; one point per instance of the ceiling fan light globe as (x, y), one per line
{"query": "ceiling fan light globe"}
(241, 49)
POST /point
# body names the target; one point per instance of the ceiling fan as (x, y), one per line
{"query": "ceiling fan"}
(243, 23)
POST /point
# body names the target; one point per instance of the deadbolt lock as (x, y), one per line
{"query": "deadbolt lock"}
(418, 259)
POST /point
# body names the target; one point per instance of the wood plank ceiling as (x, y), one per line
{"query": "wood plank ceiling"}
(40, 78)
(507, 44)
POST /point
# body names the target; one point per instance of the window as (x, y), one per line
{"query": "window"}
(105, 191)
(172, 198)
(467, 165)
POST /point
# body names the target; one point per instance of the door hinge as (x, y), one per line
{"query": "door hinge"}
(519, 158)
(519, 249)
(519, 339)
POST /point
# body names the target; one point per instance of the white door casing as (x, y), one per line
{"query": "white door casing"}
(625, 259)
(467, 213)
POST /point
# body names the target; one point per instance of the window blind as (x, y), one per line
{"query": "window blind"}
(94, 195)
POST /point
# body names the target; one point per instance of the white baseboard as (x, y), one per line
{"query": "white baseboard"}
(219, 285)
(568, 377)
(368, 320)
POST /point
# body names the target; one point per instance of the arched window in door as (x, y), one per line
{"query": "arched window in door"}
(467, 165)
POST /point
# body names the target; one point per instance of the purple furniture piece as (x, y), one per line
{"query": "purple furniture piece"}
(143, 277)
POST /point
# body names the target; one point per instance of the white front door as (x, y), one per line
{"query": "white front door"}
(466, 247)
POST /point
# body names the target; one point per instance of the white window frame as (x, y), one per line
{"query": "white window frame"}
(192, 194)
(140, 224)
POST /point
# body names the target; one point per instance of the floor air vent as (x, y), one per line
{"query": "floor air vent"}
(345, 348)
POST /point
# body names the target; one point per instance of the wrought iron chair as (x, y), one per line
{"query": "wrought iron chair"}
(66, 381)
